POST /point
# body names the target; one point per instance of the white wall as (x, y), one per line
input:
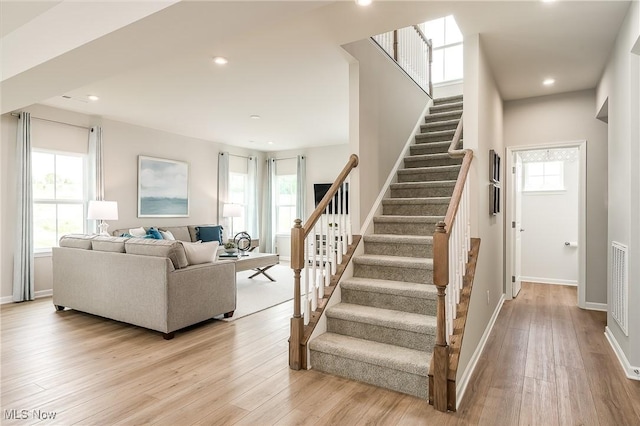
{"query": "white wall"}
(571, 117)
(550, 219)
(122, 144)
(482, 132)
(620, 86)
(323, 166)
(388, 106)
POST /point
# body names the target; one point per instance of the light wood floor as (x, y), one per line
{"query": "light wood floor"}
(547, 362)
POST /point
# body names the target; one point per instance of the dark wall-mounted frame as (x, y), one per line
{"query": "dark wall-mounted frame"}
(494, 179)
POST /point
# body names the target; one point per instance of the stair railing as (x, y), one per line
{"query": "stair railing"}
(412, 51)
(451, 244)
(317, 247)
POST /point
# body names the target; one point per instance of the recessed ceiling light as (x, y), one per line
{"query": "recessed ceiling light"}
(270, 142)
(220, 60)
(255, 117)
(363, 2)
(548, 1)
(92, 97)
(548, 81)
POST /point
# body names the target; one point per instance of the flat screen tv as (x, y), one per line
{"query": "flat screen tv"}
(320, 190)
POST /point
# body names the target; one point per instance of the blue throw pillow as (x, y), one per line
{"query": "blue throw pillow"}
(209, 233)
(154, 233)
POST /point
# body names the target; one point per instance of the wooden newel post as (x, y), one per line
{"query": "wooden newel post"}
(395, 45)
(297, 322)
(441, 350)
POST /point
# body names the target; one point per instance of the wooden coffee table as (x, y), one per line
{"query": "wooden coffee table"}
(259, 262)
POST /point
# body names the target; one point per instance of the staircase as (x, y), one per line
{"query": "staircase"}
(383, 331)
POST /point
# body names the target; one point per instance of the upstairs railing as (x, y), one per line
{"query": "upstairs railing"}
(317, 248)
(413, 52)
(451, 244)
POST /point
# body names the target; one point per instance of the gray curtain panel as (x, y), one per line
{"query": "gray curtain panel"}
(270, 216)
(23, 282)
(252, 197)
(301, 188)
(223, 185)
(95, 175)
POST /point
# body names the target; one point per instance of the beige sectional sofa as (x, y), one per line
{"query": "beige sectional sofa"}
(144, 282)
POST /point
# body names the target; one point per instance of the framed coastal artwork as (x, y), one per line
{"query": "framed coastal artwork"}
(163, 187)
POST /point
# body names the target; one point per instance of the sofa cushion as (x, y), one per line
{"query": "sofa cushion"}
(161, 248)
(209, 233)
(198, 253)
(79, 241)
(111, 244)
(180, 233)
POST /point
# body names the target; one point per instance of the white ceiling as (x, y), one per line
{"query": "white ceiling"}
(151, 65)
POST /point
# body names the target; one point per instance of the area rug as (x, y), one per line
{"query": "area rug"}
(259, 293)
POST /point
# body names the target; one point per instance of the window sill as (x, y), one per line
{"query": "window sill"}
(44, 253)
(546, 192)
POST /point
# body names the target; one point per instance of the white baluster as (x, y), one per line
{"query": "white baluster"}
(314, 269)
(306, 303)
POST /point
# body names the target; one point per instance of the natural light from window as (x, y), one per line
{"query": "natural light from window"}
(285, 203)
(238, 183)
(58, 197)
(543, 176)
(447, 65)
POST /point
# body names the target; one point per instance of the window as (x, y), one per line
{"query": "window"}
(447, 49)
(285, 203)
(58, 197)
(543, 176)
(238, 195)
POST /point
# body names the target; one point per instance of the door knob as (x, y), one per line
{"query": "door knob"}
(521, 230)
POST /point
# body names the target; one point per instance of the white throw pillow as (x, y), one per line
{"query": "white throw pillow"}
(138, 232)
(167, 235)
(198, 253)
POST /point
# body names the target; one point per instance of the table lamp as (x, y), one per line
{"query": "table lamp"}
(103, 210)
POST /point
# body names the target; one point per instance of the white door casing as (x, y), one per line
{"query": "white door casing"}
(516, 224)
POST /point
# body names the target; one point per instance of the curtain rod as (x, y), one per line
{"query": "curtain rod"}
(286, 158)
(15, 114)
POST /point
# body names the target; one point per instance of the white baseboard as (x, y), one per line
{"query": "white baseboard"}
(461, 385)
(630, 371)
(39, 294)
(592, 306)
(549, 281)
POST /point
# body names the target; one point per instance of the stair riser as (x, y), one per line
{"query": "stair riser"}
(393, 273)
(399, 249)
(436, 109)
(433, 137)
(410, 163)
(448, 116)
(446, 191)
(448, 100)
(400, 381)
(415, 209)
(401, 228)
(434, 127)
(429, 148)
(428, 176)
(389, 301)
(381, 334)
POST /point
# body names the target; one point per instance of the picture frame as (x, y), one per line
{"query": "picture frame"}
(494, 199)
(494, 167)
(163, 187)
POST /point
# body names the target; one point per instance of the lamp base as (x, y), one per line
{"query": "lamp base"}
(103, 228)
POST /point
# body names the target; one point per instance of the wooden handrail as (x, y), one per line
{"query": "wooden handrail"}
(298, 235)
(422, 36)
(467, 156)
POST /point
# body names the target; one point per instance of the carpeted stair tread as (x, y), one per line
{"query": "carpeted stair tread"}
(397, 288)
(416, 201)
(379, 354)
(441, 116)
(432, 169)
(446, 106)
(393, 261)
(403, 239)
(424, 324)
(421, 185)
(407, 219)
(448, 133)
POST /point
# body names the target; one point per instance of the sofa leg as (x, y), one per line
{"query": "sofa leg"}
(59, 308)
(168, 336)
(229, 314)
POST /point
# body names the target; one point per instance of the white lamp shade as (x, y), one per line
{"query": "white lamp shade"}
(232, 210)
(103, 210)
